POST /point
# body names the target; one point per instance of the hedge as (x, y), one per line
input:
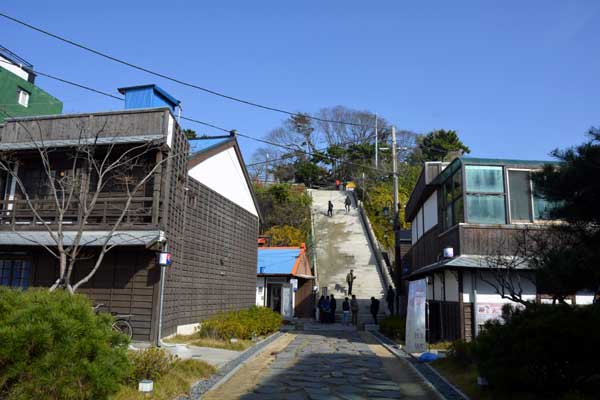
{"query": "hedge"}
(243, 324)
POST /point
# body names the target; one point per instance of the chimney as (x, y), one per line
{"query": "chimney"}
(148, 96)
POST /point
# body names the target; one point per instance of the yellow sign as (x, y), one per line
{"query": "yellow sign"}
(351, 185)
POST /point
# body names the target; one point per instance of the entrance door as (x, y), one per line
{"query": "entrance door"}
(274, 297)
(287, 309)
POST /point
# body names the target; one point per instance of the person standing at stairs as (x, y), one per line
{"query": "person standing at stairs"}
(332, 307)
(374, 309)
(326, 309)
(347, 204)
(389, 298)
(330, 209)
(346, 311)
(354, 309)
(350, 280)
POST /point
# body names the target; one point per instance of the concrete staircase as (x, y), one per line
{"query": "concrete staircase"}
(341, 245)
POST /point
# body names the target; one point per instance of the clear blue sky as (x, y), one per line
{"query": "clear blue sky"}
(515, 79)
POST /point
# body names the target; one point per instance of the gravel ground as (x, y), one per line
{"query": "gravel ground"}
(432, 376)
(205, 385)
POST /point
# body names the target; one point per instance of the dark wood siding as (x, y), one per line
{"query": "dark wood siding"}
(125, 282)
(428, 248)
(490, 239)
(214, 251)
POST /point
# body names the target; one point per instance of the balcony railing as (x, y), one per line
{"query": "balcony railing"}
(106, 212)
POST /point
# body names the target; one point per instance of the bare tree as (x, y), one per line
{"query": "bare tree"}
(68, 198)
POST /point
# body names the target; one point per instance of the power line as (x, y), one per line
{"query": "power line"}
(79, 85)
(173, 79)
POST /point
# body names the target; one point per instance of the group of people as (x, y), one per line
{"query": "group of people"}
(347, 205)
(327, 306)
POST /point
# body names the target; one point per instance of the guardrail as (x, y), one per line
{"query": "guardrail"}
(383, 271)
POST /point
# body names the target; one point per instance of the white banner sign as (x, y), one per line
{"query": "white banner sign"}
(415, 317)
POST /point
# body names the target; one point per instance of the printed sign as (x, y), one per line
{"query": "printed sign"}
(294, 283)
(164, 259)
(415, 318)
(488, 311)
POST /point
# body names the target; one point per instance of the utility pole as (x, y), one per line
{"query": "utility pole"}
(267, 169)
(376, 145)
(397, 259)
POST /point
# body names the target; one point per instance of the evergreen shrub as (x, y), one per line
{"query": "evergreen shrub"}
(243, 324)
(393, 327)
(53, 346)
(543, 348)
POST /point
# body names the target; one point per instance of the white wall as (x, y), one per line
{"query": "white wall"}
(420, 223)
(430, 212)
(451, 285)
(223, 173)
(13, 68)
(413, 227)
(438, 286)
(261, 291)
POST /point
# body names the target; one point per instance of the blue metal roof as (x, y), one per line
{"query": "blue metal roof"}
(276, 260)
(204, 143)
(145, 96)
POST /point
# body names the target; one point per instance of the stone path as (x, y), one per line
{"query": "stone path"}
(333, 365)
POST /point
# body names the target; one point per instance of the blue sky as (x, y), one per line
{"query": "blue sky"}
(515, 79)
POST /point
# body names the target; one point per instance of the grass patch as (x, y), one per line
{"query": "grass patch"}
(176, 381)
(197, 340)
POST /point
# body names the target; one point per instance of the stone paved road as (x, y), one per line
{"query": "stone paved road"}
(334, 365)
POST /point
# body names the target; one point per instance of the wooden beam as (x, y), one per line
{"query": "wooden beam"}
(461, 305)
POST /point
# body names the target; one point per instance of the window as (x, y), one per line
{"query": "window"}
(485, 194)
(519, 188)
(451, 201)
(23, 97)
(14, 272)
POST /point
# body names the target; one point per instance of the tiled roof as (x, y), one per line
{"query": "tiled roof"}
(277, 260)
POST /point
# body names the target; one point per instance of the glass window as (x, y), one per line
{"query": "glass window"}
(458, 210)
(484, 179)
(485, 209)
(520, 195)
(14, 273)
(23, 97)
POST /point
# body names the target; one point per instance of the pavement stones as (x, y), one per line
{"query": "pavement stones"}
(327, 365)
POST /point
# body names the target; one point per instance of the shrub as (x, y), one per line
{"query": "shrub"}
(151, 363)
(285, 235)
(393, 327)
(53, 346)
(543, 348)
(460, 353)
(243, 324)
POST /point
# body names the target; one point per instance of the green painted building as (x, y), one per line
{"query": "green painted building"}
(19, 97)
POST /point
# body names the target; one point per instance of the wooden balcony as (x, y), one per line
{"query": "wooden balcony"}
(18, 215)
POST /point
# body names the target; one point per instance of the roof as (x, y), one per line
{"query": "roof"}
(9, 55)
(88, 238)
(283, 261)
(201, 144)
(277, 260)
(156, 88)
(76, 142)
(466, 261)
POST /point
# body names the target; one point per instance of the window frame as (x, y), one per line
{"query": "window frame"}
(21, 91)
(456, 196)
(26, 262)
(503, 194)
(532, 219)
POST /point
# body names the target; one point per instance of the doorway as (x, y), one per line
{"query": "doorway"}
(274, 297)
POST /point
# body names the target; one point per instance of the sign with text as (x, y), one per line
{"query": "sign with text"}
(415, 317)
(488, 311)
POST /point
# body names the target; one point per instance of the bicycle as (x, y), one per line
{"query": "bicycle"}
(121, 323)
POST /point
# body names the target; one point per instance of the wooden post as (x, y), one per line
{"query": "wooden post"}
(156, 180)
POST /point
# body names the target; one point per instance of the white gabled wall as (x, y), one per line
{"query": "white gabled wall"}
(223, 173)
(15, 69)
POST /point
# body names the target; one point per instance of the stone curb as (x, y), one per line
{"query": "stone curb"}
(444, 389)
(229, 369)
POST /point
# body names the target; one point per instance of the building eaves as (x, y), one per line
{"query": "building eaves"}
(468, 261)
(48, 144)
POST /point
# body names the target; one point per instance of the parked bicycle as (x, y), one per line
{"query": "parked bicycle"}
(121, 324)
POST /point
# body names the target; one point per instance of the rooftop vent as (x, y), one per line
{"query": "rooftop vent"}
(148, 96)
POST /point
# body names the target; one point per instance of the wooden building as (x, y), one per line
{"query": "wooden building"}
(284, 281)
(473, 210)
(198, 205)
